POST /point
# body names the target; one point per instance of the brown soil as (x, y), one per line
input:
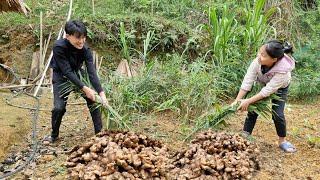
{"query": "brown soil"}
(77, 126)
(16, 48)
(14, 123)
(302, 122)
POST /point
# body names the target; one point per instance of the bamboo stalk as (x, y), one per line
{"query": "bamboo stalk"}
(152, 7)
(41, 45)
(93, 11)
(46, 47)
(43, 58)
(97, 60)
(94, 57)
(18, 86)
(69, 16)
(101, 58)
(49, 60)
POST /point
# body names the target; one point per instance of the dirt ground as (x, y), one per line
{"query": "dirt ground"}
(14, 123)
(16, 49)
(302, 119)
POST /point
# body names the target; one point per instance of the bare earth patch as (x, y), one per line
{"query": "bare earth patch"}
(14, 123)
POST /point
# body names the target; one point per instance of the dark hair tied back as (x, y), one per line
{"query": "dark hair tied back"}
(287, 48)
(276, 49)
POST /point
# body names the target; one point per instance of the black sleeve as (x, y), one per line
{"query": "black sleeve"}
(92, 71)
(64, 65)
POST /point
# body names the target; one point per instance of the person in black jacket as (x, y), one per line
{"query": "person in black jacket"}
(69, 54)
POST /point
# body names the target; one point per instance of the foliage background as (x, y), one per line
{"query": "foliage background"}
(198, 52)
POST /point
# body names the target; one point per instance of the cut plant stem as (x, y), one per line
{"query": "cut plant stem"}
(215, 118)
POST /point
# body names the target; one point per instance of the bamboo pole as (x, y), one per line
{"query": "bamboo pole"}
(69, 16)
(94, 57)
(34, 71)
(43, 58)
(18, 86)
(49, 60)
(101, 58)
(41, 45)
(46, 47)
(93, 11)
(97, 60)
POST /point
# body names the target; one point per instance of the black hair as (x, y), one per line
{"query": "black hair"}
(75, 27)
(276, 49)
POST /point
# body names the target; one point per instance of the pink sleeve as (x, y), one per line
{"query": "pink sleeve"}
(251, 75)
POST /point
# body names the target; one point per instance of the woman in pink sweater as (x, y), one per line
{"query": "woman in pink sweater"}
(272, 68)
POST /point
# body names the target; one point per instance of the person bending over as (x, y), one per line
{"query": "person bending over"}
(272, 67)
(69, 54)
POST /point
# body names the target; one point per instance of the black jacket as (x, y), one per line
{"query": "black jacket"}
(67, 62)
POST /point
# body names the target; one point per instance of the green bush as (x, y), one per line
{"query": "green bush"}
(306, 77)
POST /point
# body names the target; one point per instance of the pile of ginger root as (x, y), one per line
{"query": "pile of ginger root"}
(214, 155)
(128, 155)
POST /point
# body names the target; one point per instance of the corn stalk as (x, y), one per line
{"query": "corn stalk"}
(223, 32)
(256, 27)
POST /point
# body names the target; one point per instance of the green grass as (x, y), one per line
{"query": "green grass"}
(196, 53)
(9, 19)
(306, 83)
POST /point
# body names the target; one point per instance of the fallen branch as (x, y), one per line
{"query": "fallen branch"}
(19, 86)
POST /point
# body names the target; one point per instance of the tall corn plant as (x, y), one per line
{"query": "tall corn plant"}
(256, 27)
(223, 33)
(236, 33)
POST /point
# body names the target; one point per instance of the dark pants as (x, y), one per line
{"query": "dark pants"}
(277, 115)
(59, 109)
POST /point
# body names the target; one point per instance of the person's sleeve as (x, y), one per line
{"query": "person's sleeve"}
(92, 71)
(250, 76)
(63, 63)
(277, 81)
